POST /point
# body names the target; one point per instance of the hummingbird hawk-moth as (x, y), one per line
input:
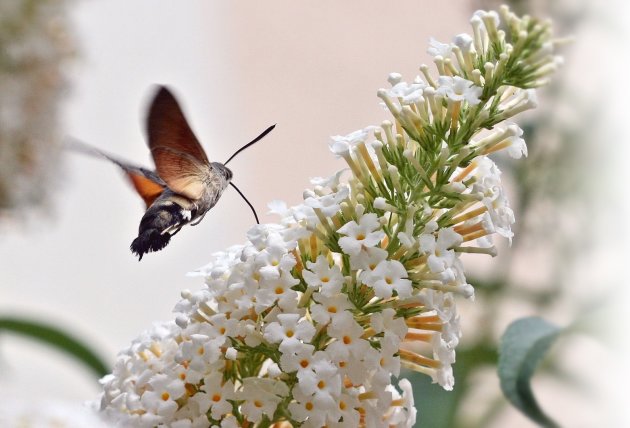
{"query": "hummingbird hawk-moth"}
(185, 184)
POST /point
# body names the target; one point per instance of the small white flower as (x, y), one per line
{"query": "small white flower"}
(331, 182)
(437, 48)
(199, 352)
(349, 342)
(227, 422)
(347, 409)
(161, 399)
(277, 289)
(322, 275)
(517, 146)
(406, 93)
(307, 409)
(389, 275)
(298, 357)
(500, 213)
(343, 144)
(405, 414)
(463, 41)
(289, 330)
(274, 259)
(330, 307)
(492, 15)
(323, 383)
(459, 89)
(279, 208)
(261, 397)
(440, 255)
(367, 259)
(231, 353)
(387, 322)
(366, 233)
(215, 395)
(329, 204)
(388, 363)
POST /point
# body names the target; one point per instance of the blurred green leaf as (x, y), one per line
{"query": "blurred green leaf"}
(57, 338)
(523, 345)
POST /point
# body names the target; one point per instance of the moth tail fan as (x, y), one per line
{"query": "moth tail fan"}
(149, 240)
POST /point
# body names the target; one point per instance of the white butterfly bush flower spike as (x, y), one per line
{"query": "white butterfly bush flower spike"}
(311, 320)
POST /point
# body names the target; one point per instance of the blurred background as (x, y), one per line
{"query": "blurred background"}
(86, 68)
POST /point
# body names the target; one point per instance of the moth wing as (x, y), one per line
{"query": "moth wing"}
(146, 182)
(148, 189)
(179, 158)
(182, 173)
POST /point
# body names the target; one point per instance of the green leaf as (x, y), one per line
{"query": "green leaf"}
(57, 338)
(523, 345)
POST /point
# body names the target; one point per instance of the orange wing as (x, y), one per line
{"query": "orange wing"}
(179, 158)
(148, 185)
(148, 189)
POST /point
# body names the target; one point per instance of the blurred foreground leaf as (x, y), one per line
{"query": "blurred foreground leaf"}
(58, 339)
(523, 345)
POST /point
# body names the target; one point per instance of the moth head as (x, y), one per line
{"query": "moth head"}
(223, 170)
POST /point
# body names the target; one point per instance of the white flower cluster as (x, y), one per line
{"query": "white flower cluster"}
(270, 336)
(307, 323)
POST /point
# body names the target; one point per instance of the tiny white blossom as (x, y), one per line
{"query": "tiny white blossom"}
(366, 233)
(387, 322)
(367, 259)
(349, 342)
(330, 307)
(440, 254)
(323, 383)
(161, 399)
(215, 395)
(307, 409)
(328, 204)
(406, 93)
(389, 275)
(463, 41)
(437, 48)
(458, 89)
(262, 397)
(322, 275)
(517, 146)
(331, 182)
(406, 414)
(289, 330)
(343, 144)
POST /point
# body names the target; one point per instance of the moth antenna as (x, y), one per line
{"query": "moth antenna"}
(241, 193)
(254, 141)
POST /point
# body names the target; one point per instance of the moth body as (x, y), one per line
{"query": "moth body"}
(171, 211)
